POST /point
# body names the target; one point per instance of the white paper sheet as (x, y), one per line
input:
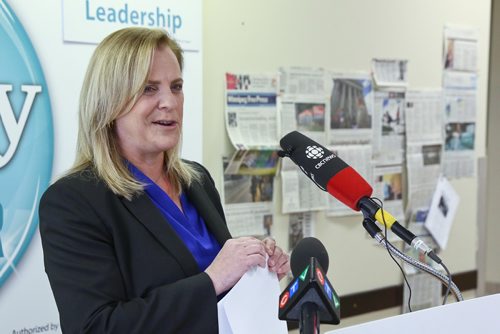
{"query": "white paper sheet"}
(252, 305)
(442, 212)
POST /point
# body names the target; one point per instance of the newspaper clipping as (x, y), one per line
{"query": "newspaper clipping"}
(248, 192)
(351, 103)
(251, 111)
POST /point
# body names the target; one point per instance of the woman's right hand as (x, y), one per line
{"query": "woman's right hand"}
(235, 258)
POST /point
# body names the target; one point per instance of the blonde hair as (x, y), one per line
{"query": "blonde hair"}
(115, 79)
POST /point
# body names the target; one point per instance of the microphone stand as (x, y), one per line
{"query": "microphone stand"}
(376, 234)
(309, 318)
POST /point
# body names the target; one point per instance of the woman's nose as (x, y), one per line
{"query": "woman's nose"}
(168, 99)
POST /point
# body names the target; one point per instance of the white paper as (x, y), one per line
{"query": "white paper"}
(389, 126)
(390, 72)
(442, 212)
(351, 103)
(248, 192)
(460, 48)
(251, 110)
(304, 105)
(301, 225)
(460, 90)
(252, 305)
(424, 145)
(299, 194)
(460, 133)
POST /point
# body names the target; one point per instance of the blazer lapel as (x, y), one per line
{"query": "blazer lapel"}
(148, 214)
(203, 203)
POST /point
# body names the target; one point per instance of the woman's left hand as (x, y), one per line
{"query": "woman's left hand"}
(279, 261)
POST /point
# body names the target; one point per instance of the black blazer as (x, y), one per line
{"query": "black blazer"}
(117, 266)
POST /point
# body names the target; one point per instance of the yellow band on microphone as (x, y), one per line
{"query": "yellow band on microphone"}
(383, 216)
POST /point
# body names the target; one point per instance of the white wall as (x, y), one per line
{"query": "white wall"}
(245, 36)
(492, 232)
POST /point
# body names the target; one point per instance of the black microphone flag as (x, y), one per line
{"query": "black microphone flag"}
(309, 285)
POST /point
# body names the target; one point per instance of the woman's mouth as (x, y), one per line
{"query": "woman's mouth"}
(165, 123)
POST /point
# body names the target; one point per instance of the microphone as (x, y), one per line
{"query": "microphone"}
(310, 297)
(332, 174)
(325, 169)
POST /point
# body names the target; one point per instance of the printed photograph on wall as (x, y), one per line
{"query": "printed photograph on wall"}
(392, 186)
(460, 136)
(310, 116)
(393, 115)
(349, 107)
(432, 154)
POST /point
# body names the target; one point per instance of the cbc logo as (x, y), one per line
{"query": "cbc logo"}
(314, 152)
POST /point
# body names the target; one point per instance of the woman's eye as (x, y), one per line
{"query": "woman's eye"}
(177, 87)
(149, 89)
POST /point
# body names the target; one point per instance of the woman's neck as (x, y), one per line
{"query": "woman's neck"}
(155, 170)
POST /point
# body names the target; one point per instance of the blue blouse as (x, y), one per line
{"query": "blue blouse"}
(188, 224)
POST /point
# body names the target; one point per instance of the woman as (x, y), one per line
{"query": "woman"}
(134, 238)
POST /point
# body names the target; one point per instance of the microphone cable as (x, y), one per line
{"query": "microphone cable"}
(376, 233)
(433, 256)
(448, 288)
(390, 254)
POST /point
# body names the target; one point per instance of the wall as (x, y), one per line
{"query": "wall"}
(243, 36)
(492, 226)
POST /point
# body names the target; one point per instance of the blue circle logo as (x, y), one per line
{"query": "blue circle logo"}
(26, 140)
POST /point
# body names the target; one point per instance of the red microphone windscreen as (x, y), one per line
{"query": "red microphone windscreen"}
(349, 187)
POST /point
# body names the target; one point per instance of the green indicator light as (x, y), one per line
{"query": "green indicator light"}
(304, 274)
(336, 300)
